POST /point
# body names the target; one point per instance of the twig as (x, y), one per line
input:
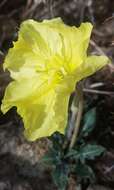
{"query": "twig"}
(2, 3)
(13, 12)
(109, 93)
(97, 47)
(31, 9)
(82, 10)
(1, 53)
(78, 119)
(90, 9)
(44, 13)
(98, 33)
(50, 8)
(29, 2)
(108, 170)
(4, 75)
(108, 19)
(98, 84)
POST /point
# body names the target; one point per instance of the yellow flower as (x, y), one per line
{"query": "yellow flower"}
(45, 64)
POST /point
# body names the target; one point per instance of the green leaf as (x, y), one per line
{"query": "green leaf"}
(89, 122)
(47, 159)
(85, 172)
(51, 158)
(71, 153)
(90, 152)
(60, 176)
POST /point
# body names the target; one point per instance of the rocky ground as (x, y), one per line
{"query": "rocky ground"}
(20, 167)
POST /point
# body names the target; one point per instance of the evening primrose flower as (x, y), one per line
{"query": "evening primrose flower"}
(45, 64)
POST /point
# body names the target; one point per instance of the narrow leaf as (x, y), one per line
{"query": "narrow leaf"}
(90, 151)
(89, 122)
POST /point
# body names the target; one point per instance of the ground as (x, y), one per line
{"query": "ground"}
(20, 167)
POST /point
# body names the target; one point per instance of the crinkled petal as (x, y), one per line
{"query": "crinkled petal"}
(45, 118)
(25, 90)
(40, 42)
(36, 45)
(75, 40)
(43, 114)
(90, 66)
(22, 55)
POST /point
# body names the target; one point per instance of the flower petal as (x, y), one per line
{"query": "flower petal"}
(75, 40)
(90, 66)
(25, 90)
(35, 45)
(45, 118)
(43, 113)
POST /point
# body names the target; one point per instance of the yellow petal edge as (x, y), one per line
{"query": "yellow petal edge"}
(45, 63)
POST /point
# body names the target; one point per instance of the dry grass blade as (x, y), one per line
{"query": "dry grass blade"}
(3, 3)
(102, 92)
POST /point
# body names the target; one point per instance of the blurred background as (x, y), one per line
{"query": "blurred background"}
(19, 160)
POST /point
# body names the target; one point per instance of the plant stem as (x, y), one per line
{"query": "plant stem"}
(79, 116)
